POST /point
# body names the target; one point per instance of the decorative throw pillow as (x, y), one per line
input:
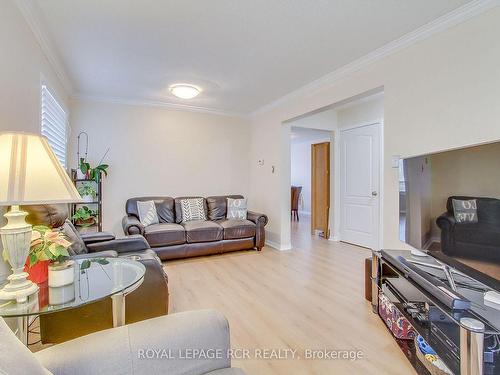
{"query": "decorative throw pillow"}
(77, 245)
(465, 211)
(236, 209)
(147, 213)
(193, 209)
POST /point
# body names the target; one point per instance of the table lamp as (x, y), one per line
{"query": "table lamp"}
(30, 173)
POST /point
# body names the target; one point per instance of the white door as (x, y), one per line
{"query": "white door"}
(359, 185)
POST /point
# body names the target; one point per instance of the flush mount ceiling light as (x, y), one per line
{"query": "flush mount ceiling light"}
(184, 90)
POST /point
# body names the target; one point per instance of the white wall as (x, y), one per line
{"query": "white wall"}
(439, 93)
(363, 112)
(22, 66)
(157, 151)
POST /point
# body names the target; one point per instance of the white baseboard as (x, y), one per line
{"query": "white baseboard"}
(334, 238)
(278, 246)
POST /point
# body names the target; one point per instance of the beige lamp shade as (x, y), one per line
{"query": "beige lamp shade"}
(30, 172)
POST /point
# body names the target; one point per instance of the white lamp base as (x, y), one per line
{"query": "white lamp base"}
(16, 239)
(18, 291)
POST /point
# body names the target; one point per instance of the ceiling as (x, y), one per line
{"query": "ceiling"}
(243, 54)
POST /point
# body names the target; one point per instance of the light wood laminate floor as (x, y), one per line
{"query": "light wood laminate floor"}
(310, 297)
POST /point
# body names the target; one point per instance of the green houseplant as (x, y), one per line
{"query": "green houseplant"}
(93, 173)
(84, 216)
(88, 192)
(46, 246)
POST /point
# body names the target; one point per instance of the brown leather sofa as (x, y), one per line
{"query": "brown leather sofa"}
(171, 238)
(149, 300)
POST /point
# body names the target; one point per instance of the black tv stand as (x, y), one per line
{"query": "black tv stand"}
(453, 319)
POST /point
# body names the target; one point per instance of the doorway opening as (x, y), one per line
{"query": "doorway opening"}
(349, 207)
(310, 181)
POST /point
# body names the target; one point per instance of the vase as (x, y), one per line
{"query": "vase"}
(61, 273)
(38, 272)
(62, 294)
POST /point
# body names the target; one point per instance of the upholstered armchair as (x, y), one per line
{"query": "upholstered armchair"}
(140, 349)
(148, 301)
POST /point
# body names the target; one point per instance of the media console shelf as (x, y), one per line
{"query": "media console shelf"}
(420, 288)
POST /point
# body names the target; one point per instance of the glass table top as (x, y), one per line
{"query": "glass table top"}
(91, 284)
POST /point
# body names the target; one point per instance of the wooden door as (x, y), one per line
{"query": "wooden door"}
(359, 180)
(320, 187)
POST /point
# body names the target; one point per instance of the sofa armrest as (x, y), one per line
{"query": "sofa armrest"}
(121, 245)
(446, 221)
(94, 237)
(132, 225)
(260, 221)
(99, 254)
(127, 349)
(257, 218)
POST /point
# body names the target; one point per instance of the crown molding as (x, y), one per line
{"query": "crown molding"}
(29, 12)
(438, 25)
(154, 103)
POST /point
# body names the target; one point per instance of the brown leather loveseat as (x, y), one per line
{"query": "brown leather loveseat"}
(171, 238)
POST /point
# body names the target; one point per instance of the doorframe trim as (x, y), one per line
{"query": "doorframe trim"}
(337, 196)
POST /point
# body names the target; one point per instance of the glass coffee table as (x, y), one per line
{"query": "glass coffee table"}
(116, 279)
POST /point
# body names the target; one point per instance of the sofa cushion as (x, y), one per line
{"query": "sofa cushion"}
(217, 206)
(178, 207)
(164, 207)
(203, 231)
(477, 233)
(164, 234)
(235, 228)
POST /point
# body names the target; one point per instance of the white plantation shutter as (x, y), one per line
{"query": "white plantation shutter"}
(54, 120)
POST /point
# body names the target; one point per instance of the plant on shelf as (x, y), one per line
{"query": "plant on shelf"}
(47, 246)
(93, 173)
(85, 216)
(88, 192)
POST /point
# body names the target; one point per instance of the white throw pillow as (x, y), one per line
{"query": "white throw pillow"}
(193, 209)
(236, 209)
(147, 213)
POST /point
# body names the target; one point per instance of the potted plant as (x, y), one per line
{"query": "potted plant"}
(88, 192)
(93, 173)
(46, 246)
(84, 216)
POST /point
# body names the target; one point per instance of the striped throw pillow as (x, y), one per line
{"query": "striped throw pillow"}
(193, 209)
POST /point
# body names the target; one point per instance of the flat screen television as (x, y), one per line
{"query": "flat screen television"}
(449, 204)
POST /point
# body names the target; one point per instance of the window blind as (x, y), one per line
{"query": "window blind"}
(54, 121)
